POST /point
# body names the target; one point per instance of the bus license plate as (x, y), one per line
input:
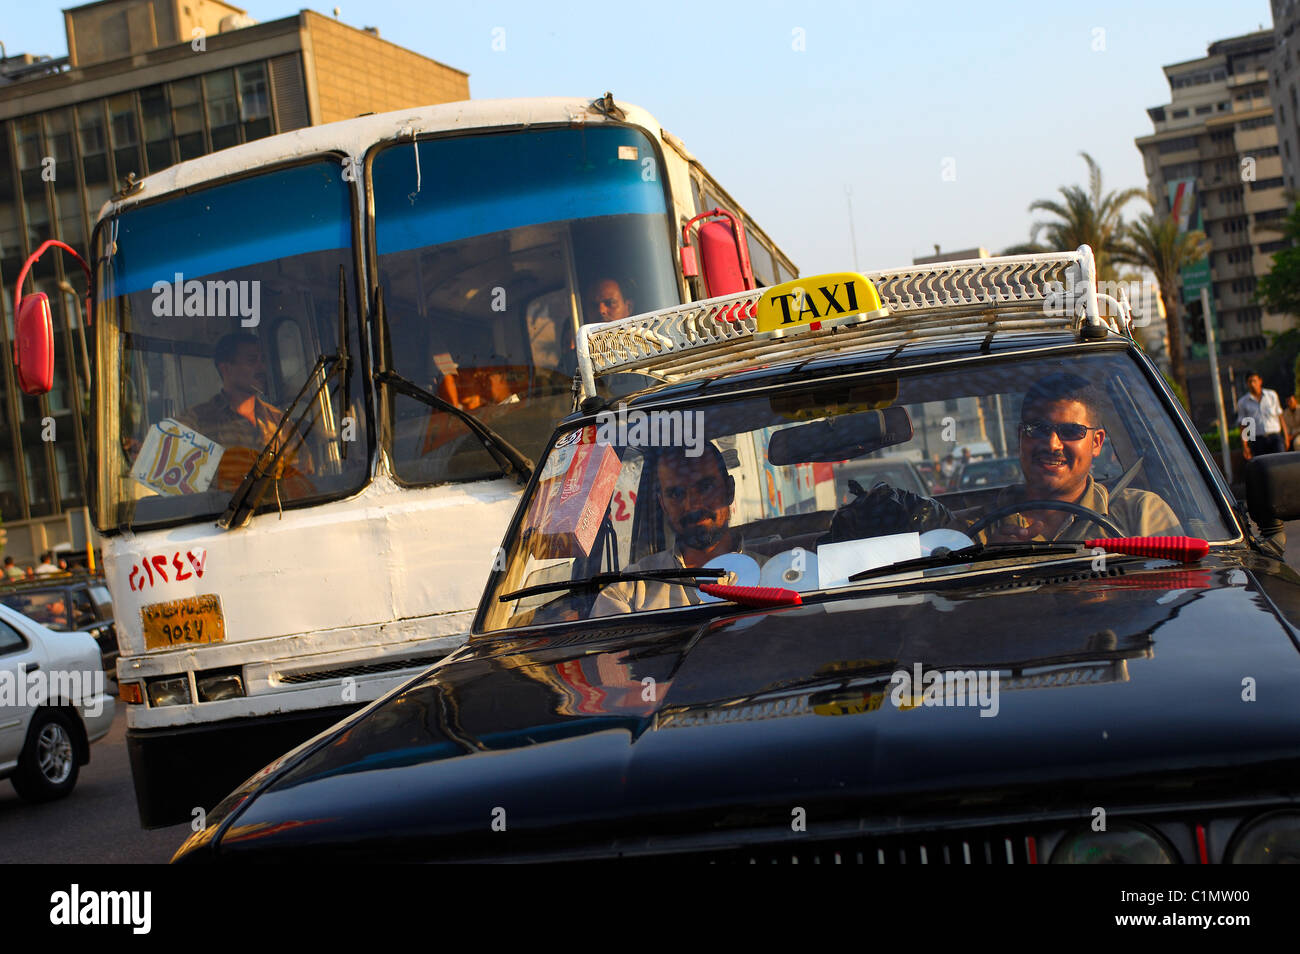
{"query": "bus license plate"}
(195, 619)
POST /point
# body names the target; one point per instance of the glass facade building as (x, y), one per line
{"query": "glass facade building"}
(99, 120)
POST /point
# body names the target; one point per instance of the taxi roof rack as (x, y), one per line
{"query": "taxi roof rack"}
(1053, 291)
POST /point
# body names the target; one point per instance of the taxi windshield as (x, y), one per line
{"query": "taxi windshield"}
(804, 488)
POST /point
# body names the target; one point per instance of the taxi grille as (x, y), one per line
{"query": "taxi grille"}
(985, 848)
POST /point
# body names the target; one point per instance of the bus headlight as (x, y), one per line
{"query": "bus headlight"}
(169, 691)
(1271, 840)
(1122, 844)
(217, 686)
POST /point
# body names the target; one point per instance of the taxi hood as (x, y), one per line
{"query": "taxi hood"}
(1074, 685)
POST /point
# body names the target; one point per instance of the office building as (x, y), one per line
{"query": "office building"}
(1213, 161)
(145, 84)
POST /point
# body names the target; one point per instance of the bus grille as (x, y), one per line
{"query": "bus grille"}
(362, 669)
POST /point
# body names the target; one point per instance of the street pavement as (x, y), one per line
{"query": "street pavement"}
(97, 823)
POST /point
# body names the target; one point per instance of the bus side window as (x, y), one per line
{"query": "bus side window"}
(760, 259)
(699, 197)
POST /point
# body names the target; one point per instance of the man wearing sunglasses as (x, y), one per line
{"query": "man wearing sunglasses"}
(1060, 436)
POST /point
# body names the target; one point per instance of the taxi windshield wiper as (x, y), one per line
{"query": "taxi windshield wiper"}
(239, 510)
(513, 462)
(684, 577)
(942, 556)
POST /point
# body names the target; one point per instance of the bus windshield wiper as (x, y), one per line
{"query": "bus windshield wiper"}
(684, 577)
(942, 556)
(513, 461)
(240, 509)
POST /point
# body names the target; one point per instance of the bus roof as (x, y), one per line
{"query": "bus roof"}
(355, 136)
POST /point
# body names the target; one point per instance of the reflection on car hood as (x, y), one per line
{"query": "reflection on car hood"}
(1132, 676)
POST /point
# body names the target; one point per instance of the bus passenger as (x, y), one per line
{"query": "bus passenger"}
(607, 299)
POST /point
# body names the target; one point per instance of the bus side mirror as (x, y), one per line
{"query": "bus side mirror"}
(34, 344)
(720, 255)
(723, 255)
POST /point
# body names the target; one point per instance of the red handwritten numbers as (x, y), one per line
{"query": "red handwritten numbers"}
(621, 511)
(153, 570)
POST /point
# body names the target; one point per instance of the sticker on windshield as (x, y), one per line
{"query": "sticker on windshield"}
(572, 497)
(176, 459)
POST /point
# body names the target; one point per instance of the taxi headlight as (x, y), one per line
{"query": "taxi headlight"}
(1271, 840)
(169, 691)
(1125, 843)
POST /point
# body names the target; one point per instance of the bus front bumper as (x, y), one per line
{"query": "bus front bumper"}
(181, 772)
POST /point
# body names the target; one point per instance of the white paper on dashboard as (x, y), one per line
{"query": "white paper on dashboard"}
(836, 562)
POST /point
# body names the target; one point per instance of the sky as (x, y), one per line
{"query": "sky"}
(944, 120)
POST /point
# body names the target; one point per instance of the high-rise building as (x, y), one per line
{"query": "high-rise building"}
(145, 84)
(1213, 162)
(1284, 75)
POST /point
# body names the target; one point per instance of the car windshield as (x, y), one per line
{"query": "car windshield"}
(986, 473)
(491, 250)
(759, 486)
(214, 308)
(48, 609)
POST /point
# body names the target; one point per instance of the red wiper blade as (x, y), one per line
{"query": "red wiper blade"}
(758, 596)
(1183, 549)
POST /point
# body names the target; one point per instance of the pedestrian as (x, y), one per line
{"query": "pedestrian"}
(12, 571)
(1291, 418)
(1263, 430)
(47, 564)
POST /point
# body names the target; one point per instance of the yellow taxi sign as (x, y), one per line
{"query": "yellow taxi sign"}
(815, 303)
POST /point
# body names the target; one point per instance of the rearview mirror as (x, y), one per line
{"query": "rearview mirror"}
(34, 344)
(840, 438)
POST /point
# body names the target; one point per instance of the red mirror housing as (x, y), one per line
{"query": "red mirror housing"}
(722, 271)
(34, 344)
(723, 256)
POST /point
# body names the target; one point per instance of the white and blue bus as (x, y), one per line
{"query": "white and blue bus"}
(322, 361)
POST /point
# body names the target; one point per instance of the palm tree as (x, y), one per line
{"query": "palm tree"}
(1083, 217)
(1154, 242)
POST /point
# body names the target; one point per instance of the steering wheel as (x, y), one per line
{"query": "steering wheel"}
(1077, 509)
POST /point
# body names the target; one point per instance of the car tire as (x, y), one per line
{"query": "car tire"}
(48, 769)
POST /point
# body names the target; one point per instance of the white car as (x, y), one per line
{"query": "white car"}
(53, 705)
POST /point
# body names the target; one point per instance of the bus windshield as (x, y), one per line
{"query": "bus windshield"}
(214, 306)
(491, 249)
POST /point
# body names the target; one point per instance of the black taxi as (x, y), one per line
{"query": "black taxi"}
(704, 638)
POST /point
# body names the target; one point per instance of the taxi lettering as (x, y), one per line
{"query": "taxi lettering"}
(818, 304)
(806, 307)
